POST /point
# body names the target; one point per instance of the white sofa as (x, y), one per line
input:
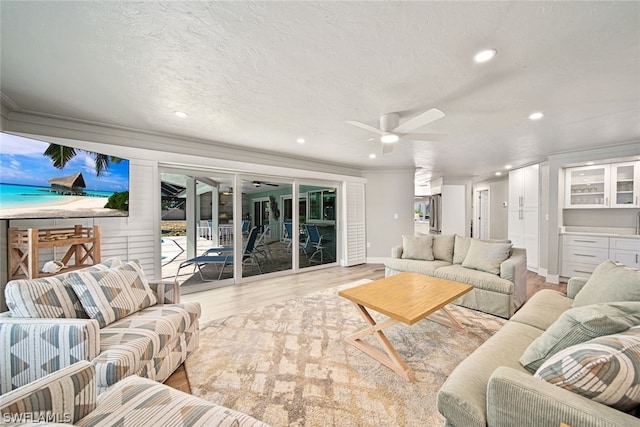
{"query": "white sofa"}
(497, 272)
(107, 314)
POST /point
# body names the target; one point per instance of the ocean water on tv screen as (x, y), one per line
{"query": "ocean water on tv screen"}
(24, 196)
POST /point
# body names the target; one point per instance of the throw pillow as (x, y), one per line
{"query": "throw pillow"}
(485, 256)
(460, 248)
(610, 282)
(578, 325)
(112, 294)
(48, 297)
(443, 247)
(417, 247)
(605, 369)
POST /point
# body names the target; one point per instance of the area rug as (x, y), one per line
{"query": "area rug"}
(287, 364)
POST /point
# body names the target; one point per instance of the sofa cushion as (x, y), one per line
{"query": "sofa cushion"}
(542, 309)
(415, 266)
(443, 247)
(48, 297)
(112, 294)
(478, 279)
(417, 247)
(610, 282)
(486, 256)
(462, 400)
(578, 325)
(462, 243)
(605, 369)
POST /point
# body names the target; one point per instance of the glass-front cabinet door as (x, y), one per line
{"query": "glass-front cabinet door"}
(625, 185)
(587, 187)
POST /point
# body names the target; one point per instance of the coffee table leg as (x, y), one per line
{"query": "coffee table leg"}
(448, 319)
(391, 359)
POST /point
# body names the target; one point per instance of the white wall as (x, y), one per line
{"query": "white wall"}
(388, 194)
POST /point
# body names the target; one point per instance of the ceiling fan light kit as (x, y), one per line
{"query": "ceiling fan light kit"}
(389, 138)
(391, 130)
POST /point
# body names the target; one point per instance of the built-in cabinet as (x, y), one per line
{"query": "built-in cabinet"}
(614, 185)
(581, 254)
(523, 216)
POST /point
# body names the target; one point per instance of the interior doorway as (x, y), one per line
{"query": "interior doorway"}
(482, 214)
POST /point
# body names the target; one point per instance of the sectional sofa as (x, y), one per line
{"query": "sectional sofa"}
(108, 314)
(571, 359)
(497, 271)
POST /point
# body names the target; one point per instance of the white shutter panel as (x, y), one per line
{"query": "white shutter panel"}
(355, 237)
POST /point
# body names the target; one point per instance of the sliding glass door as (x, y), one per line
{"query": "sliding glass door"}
(318, 224)
(196, 220)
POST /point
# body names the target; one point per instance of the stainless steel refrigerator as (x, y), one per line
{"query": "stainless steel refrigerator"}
(435, 214)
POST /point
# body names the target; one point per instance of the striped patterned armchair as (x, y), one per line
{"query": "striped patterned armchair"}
(69, 396)
(107, 314)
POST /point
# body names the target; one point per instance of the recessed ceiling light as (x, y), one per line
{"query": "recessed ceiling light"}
(536, 116)
(508, 167)
(181, 114)
(498, 173)
(372, 156)
(485, 55)
(590, 163)
(389, 138)
(300, 141)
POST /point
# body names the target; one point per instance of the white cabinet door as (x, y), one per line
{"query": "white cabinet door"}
(628, 258)
(516, 184)
(530, 187)
(625, 251)
(587, 187)
(625, 185)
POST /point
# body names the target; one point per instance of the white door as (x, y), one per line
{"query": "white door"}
(483, 218)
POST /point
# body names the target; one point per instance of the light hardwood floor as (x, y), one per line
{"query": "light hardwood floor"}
(230, 300)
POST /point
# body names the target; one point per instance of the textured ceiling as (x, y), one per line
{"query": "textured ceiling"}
(260, 75)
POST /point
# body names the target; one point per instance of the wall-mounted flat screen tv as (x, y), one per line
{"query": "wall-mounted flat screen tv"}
(45, 180)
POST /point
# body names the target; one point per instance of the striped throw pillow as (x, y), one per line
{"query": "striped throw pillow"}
(605, 369)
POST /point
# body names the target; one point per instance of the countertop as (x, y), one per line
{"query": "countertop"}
(600, 231)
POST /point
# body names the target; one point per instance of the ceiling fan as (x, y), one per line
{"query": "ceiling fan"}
(259, 184)
(391, 130)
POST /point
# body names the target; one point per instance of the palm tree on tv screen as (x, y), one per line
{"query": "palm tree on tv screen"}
(60, 155)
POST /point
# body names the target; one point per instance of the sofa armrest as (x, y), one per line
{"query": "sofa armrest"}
(574, 285)
(515, 398)
(396, 252)
(514, 269)
(166, 292)
(34, 348)
(64, 396)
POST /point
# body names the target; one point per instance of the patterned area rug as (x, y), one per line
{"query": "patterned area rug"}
(287, 364)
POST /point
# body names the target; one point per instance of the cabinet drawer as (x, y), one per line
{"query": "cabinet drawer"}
(625, 244)
(587, 241)
(585, 255)
(570, 269)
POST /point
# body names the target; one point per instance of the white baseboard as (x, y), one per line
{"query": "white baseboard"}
(542, 272)
(376, 260)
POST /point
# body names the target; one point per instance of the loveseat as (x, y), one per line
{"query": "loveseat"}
(571, 359)
(108, 314)
(496, 270)
(69, 396)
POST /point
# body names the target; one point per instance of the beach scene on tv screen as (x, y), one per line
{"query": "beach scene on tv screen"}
(43, 180)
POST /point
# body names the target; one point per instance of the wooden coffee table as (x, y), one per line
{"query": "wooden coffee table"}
(406, 298)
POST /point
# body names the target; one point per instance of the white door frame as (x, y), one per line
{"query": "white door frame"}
(477, 229)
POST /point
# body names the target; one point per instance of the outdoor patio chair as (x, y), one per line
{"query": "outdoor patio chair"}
(224, 257)
(288, 237)
(261, 247)
(315, 242)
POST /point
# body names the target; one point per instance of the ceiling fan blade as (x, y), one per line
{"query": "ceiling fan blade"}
(365, 127)
(420, 120)
(387, 148)
(432, 137)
